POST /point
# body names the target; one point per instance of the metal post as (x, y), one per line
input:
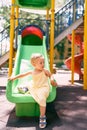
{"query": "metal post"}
(72, 61)
(52, 35)
(12, 24)
(16, 26)
(85, 46)
(17, 15)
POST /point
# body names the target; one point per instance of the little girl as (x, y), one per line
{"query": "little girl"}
(39, 86)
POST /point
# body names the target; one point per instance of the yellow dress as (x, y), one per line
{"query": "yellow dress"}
(39, 88)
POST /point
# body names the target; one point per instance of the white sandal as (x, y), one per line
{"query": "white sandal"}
(42, 122)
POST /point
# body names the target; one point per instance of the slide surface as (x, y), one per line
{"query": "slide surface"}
(30, 41)
(77, 64)
(77, 58)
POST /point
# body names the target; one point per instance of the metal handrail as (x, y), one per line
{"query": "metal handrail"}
(67, 15)
(4, 41)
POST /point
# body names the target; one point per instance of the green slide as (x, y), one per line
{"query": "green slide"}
(31, 40)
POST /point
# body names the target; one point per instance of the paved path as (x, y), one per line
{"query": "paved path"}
(67, 112)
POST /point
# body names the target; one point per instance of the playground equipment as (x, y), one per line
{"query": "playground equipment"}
(77, 58)
(31, 40)
(45, 4)
(77, 64)
(29, 107)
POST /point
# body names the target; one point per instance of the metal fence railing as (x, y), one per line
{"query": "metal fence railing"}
(4, 41)
(67, 15)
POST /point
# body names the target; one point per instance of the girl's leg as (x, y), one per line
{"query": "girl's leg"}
(42, 111)
(42, 122)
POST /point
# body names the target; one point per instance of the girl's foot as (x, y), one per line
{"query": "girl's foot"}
(42, 122)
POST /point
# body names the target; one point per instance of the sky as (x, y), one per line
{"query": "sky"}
(5, 2)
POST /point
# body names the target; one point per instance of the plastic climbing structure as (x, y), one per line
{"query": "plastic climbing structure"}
(78, 59)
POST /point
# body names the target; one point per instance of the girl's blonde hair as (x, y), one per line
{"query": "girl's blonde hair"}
(34, 58)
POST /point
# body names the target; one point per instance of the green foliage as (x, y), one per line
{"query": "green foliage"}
(60, 48)
(27, 18)
(5, 13)
(59, 64)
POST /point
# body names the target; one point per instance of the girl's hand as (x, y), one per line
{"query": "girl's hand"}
(54, 83)
(11, 78)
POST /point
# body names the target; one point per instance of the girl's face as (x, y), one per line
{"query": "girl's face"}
(39, 63)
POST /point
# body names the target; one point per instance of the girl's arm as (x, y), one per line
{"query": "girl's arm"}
(52, 79)
(20, 75)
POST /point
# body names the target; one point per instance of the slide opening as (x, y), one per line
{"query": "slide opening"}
(32, 35)
(32, 40)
